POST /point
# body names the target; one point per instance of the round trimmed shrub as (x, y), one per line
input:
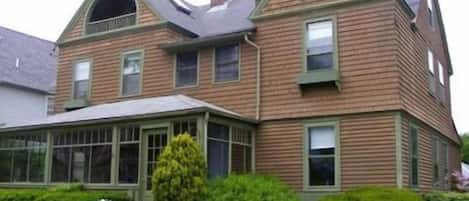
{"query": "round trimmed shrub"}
(249, 188)
(375, 194)
(181, 174)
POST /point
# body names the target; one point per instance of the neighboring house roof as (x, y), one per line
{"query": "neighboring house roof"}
(133, 109)
(233, 16)
(27, 61)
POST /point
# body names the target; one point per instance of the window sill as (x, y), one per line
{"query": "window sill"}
(322, 189)
(319, 77)
(76, 104)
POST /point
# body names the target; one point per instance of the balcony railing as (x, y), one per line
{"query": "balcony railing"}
(111, 23)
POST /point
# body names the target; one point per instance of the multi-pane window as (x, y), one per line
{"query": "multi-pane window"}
(131, 73)
(414, 157)
(186, 69)
(81, 79)
(321, 158)
(129, 146)
(185, 126)
(431, 72)
(22, 158)
(227, 63)
(229, 150)
(319, 45)
(82, 155)
(431, 16)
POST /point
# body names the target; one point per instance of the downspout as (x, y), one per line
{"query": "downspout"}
(258, 75)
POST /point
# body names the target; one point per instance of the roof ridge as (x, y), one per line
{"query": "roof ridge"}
(27, 35)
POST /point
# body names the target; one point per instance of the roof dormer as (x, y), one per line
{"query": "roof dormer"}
(106, 15)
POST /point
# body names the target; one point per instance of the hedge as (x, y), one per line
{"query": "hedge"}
(69, 193)
(375, 194)
(445, 196)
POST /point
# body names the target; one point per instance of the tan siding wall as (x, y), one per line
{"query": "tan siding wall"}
(280, 5)
(145, 16)
(413, 69)
(279, 150)
(367, 65)
(157, 72)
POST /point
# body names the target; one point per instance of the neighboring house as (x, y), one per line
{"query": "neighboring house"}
(27, 77)
(327, 95)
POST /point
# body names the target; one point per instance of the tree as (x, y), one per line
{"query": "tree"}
(181, 174)
(465, 149)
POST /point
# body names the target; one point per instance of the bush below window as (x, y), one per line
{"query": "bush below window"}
(69, 193)
(375, 194)
(249, 188)
(444, 196)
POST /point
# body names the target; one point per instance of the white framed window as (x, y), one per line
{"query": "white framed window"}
(81, 79)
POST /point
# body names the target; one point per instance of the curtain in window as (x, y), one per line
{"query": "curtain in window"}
(319, 45)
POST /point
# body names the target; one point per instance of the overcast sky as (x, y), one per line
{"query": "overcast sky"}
(47, 19)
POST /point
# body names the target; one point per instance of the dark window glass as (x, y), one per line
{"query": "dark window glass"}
(105, 9)
(20, 165)
(414, 162)
(240, 159)
(321, 158)
(5, 165)
(186, 69)
(128, 163)
(218, 131)
(321, 172)
(131, 74)
(319, 45)
(60, 165)
(100, 169)
(227, 63)
(217, 158)
(188, 126)
(37, 165)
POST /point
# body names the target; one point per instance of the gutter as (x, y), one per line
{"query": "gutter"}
(258, 75)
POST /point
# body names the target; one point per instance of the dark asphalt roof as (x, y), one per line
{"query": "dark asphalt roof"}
(206, 21)
(37, 61)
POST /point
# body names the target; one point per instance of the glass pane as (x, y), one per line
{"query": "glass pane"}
(81, 89)
(128, 163)
(227, 54)
(321, 171)
(101, 164)
(5, 165)
(227, 63)
(227, 72)
(319, 61)
(60, 164)
(80, 164)
(37, 165)
(131, 84)
(186, 69)
(132, 63)
(217, 159)
(81, 71)
(218, 131)
(441, 73)
(240, 159)
(430, 62)
(414, 171)
(20, 165)
(322, 140)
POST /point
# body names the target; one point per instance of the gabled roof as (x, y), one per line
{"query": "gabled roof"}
(133, 109)
(37, 60)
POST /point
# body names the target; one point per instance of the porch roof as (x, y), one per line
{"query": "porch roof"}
(128, 110)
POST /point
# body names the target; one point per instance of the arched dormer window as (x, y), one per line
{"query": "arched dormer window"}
(106, 15)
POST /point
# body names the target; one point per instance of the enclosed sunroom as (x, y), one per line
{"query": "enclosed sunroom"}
(116, 146)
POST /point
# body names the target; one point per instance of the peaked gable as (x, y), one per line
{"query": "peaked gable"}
(76, 27)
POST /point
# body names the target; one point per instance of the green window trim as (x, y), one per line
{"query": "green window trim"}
(412, 155)
(308, 77)
(214, 64)
(90, 77)
(175, 85)
(335, 123)
(121, 79)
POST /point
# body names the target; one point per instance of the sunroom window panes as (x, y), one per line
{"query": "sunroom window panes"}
(81, 79)
(227, 63)
(82, 155)
(319, 45)
(186, 69)
(128, 154)
(131, 74)
(321, 159)
(185, 126)
(241, 150)
(218, 150)
(414, 157)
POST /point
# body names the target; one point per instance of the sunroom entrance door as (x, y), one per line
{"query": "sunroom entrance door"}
(156, 139)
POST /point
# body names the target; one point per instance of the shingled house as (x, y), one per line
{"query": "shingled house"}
(27, 77)
(328, 95)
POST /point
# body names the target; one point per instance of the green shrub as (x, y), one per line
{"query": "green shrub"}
(61, 193)
(375, 194)
(444, 196)
(249, 188)
(181, 173)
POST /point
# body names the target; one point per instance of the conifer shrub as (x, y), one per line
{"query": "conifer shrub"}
(181, 174)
